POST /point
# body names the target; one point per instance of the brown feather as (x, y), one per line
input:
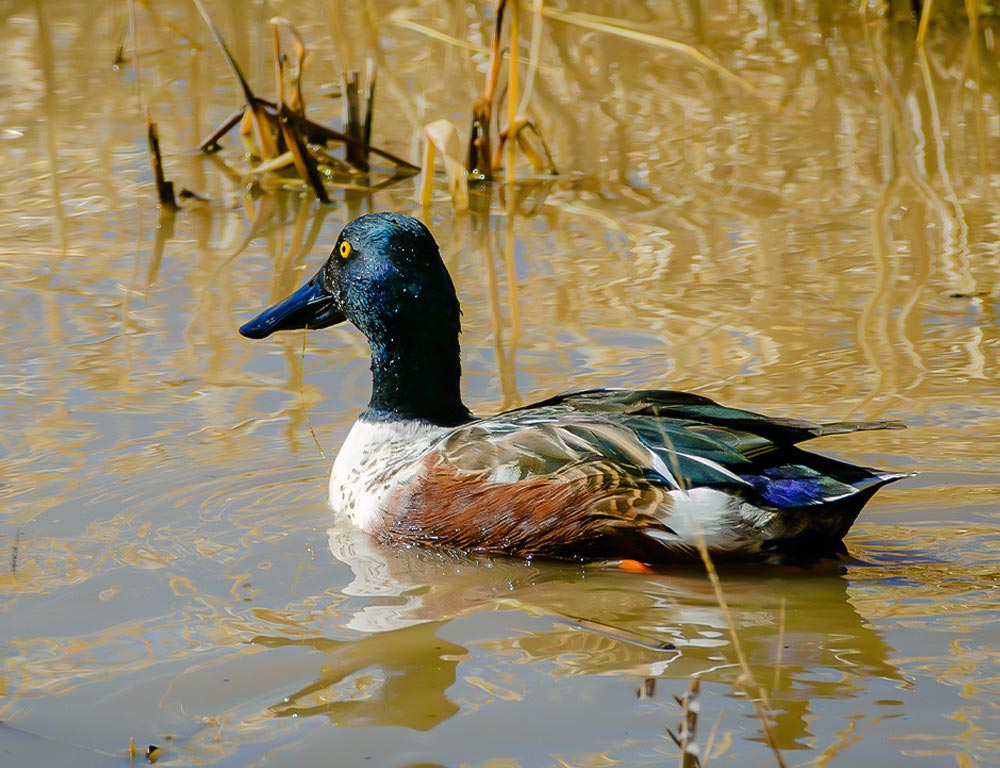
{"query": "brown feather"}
(552, 517)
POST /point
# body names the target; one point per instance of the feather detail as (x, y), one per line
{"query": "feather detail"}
(574, 515)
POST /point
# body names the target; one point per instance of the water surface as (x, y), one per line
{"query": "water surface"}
(822, 245)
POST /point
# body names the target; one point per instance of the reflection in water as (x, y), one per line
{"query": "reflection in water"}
(826, 247)
(802, 636)
(399, 678)
(797, 629)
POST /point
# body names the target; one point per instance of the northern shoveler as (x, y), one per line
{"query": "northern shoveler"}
(598, 474)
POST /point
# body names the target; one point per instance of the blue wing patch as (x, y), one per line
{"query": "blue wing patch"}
(790, 486)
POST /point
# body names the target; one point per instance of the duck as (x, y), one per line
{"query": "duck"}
(641, 475)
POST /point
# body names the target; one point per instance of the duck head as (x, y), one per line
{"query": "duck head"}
(386, 277)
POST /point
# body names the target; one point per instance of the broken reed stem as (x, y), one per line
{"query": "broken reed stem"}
(534, 53)
(479, 162)
(282, 132)
(441, 137)
(164, 188)
(304, 161)
(319, 134)
(119, 58)
(266, 140)
(971, 10)
(211, 142)
(366, 123)
(279, 61)
(295, 100)
(425, 193)
(512, 89)
(354, 121)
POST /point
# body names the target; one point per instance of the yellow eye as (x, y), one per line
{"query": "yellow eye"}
(345, 249)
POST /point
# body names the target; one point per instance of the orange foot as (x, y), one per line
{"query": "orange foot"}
(634, 566)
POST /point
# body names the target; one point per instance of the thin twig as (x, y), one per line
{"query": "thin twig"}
(302, 396)
(711, 738)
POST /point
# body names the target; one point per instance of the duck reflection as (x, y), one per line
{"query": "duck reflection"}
(396, 678)
(802, 637)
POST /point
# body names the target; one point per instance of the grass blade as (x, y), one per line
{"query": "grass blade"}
(262, 126)
(613, 27)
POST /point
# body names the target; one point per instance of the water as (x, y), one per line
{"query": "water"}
(825, 248)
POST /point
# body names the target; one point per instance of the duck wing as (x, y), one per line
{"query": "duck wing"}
(681, 405)
(760, 449)
(607, 473)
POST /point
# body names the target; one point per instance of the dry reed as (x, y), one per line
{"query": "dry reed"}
(280, 134)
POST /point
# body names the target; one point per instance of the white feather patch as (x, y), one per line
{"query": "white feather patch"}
(712, 515)
(374, 460)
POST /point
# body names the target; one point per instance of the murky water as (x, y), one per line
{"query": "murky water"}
(822, 245)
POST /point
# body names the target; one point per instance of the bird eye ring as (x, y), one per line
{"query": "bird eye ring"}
(345, 249)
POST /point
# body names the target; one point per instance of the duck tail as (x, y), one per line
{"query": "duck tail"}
(878, 479)
(822, 537)
(845, 427)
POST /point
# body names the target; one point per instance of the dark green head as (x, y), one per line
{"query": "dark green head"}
(386, 277)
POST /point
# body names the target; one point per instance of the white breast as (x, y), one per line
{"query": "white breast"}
(374, 460)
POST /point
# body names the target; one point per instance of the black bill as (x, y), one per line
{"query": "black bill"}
(311, 306)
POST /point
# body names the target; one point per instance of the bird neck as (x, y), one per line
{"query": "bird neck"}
(417, 377)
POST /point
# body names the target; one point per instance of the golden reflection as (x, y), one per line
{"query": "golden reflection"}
(408, 665)
(667, 625)
(402, 672)
(506, 355)
(827, 249)
(52, 122)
